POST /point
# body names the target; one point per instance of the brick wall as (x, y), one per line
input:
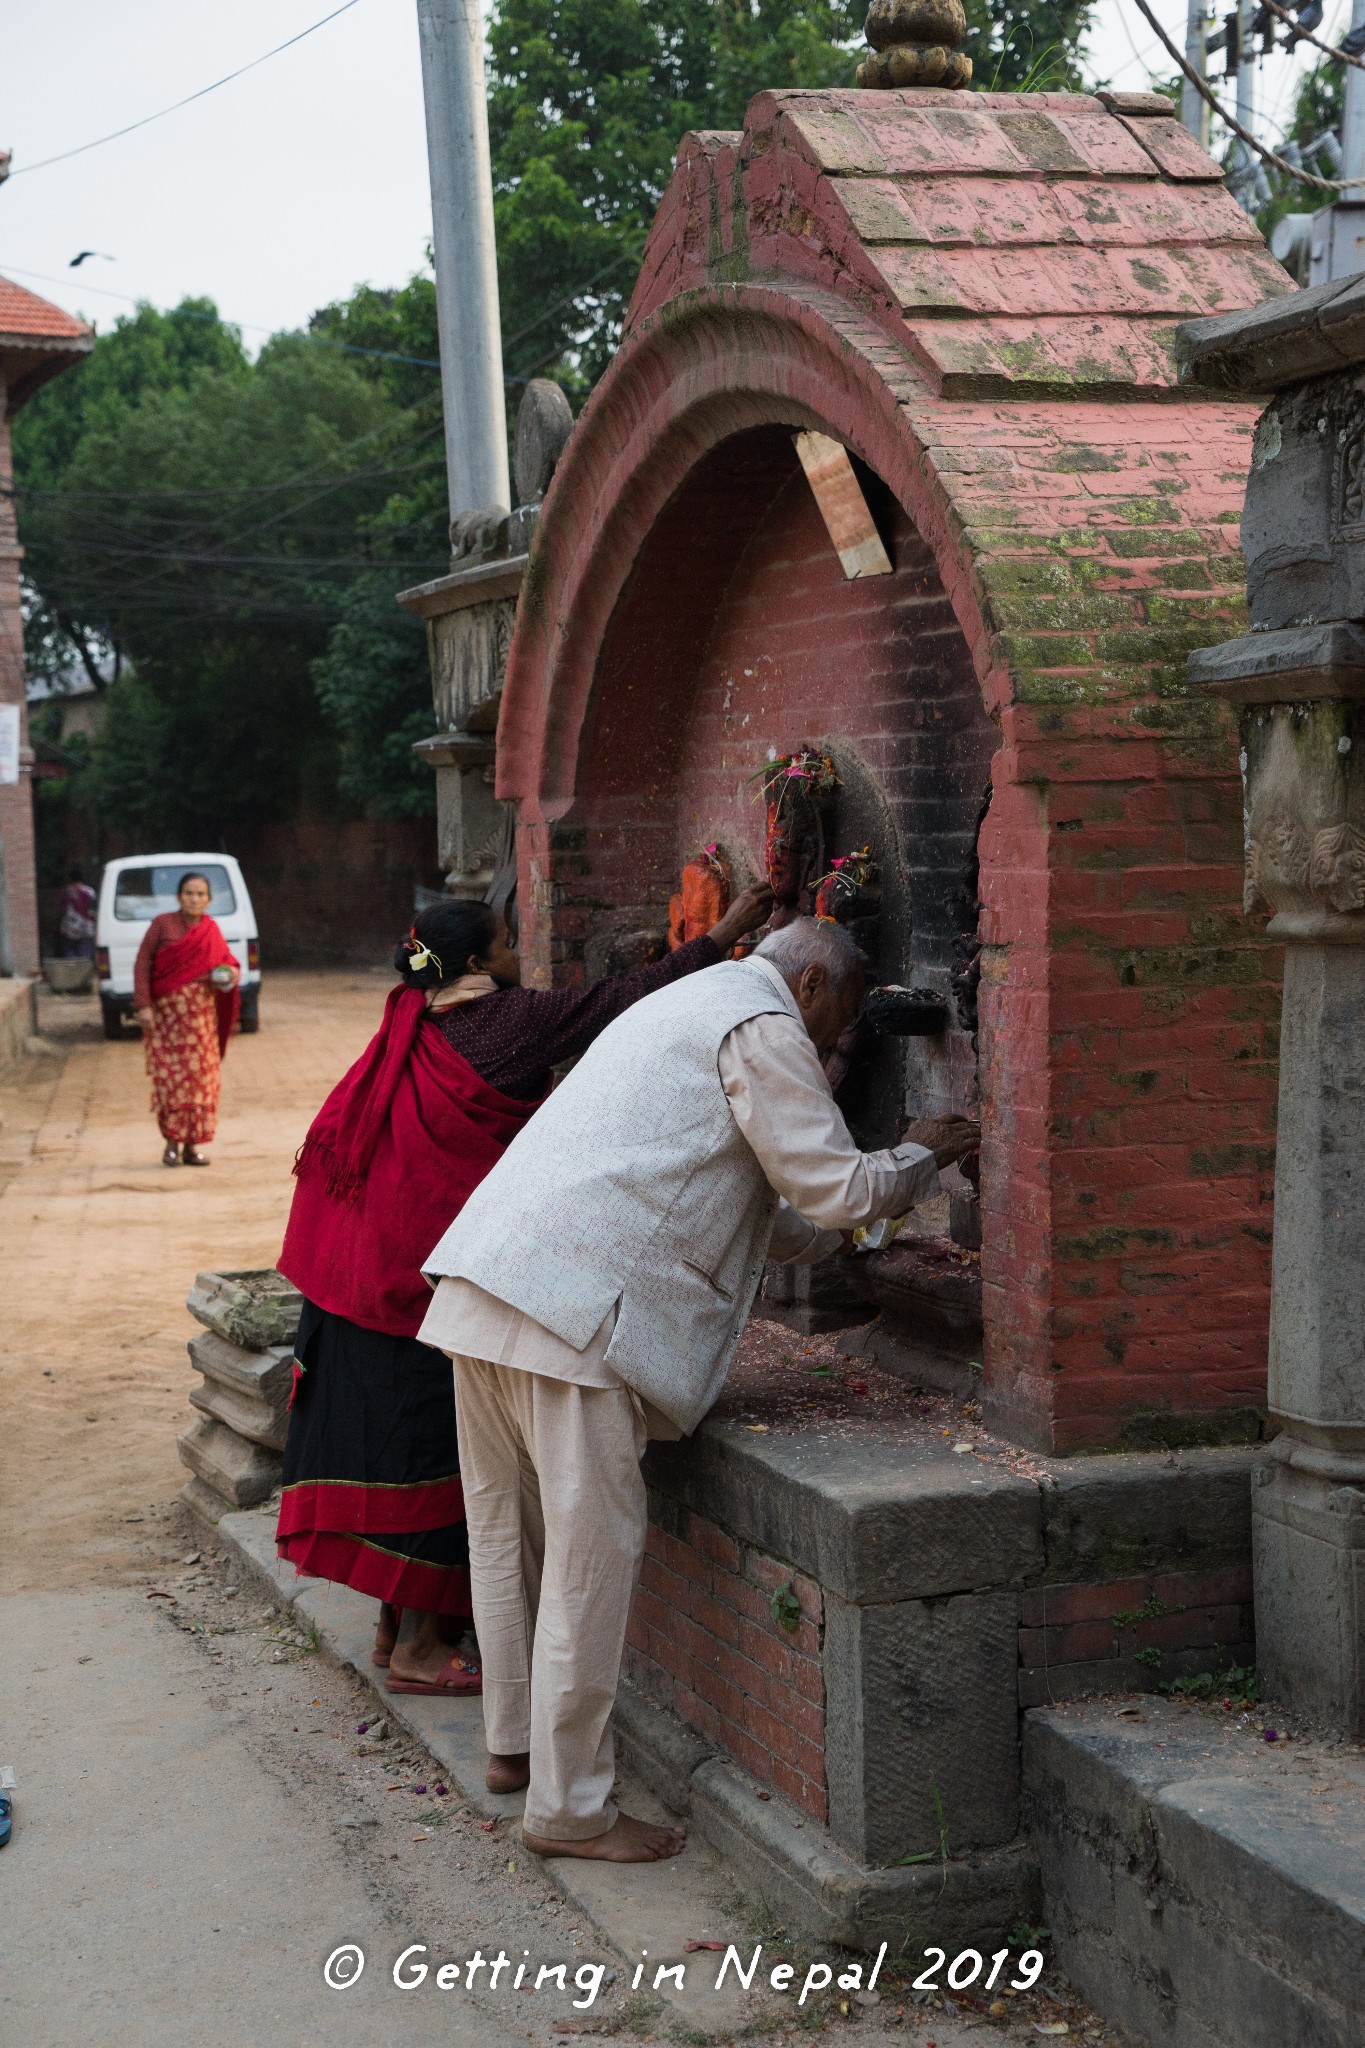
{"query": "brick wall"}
(704, 1641)
(755, 642)
(18, 875)
(1133, 1633)
(328, 891)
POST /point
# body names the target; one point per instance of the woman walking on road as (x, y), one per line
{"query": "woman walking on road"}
(185, 989)
(372, 1494)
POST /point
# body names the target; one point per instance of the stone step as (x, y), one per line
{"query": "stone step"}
(1205, 1889)
(255, 1309)
(266, 1376)
(257, 1421)
(243, 1473)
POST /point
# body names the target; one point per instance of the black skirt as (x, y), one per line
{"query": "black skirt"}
(372, 1495)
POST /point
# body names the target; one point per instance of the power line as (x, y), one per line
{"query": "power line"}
(1280, 163)
(190, 98)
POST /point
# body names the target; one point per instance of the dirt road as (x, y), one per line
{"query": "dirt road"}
(99, 1244)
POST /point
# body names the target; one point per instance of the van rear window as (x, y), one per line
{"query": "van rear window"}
(141, 894)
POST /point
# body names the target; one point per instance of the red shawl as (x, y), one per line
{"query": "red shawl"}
(392, 1157)
(192, 957)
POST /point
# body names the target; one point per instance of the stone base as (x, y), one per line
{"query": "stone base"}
(204, 1502)
(257, 1421)
(800, 1872)
(1308, 1537)
(242, 1473)
(1203, 1890)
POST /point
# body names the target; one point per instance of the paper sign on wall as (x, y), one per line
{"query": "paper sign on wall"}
(9, 743)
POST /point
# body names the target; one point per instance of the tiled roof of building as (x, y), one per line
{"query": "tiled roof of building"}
(1051, 241)
(24, 315)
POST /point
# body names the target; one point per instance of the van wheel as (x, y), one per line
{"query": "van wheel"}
(112, 1018)
(250, 1013)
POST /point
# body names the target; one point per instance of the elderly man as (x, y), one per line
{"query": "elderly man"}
(592, 1292)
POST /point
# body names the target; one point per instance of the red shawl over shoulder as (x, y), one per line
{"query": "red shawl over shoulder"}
(192, 957)
(392, 1156)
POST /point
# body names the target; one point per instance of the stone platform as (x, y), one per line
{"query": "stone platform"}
(1205, 1888)
(850, 1593)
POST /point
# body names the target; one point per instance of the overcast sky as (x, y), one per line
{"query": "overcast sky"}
(290, 185)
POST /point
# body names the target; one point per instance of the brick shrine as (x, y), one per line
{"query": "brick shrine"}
(975, 296)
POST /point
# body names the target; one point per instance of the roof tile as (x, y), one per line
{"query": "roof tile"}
(24, 313)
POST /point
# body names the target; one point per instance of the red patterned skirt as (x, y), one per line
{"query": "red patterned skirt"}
(184, 1065)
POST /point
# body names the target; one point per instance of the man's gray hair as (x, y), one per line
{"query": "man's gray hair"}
(810, 942)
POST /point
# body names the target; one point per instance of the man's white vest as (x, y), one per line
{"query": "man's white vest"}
(633, 1185)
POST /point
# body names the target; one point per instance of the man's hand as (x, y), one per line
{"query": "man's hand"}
(949, 1138)
(751, 908)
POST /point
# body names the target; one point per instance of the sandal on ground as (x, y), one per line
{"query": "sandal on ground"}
(460, 1675)
(171, 1156)
(193, 1158)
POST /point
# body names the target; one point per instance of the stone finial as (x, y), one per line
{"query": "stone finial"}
(915, 42)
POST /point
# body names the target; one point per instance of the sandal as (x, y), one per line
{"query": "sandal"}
(193, 1158)
(171, 1156)
(460, 1675)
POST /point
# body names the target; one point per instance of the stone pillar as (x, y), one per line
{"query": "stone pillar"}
(469, 617)
(1305, 784)
(1299, 678)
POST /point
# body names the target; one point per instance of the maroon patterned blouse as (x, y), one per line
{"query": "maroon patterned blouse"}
(514, 1037)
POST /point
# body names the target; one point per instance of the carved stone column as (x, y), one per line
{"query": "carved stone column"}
(1299, 678)
(469, 618)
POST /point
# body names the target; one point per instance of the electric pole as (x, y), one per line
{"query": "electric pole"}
(465, 255)
(1194, 108)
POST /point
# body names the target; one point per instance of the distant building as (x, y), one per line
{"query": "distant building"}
(37, 341)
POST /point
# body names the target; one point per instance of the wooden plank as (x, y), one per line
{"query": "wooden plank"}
(842, 505)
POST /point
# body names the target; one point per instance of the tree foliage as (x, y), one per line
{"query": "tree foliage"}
(207, 519)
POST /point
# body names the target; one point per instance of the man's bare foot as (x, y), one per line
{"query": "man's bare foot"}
(627, 1840)
(509, 1773)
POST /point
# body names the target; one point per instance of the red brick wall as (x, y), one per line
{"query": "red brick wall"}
(1128, 1010)
(1133, 1633)
(328, 891)
(20, 878)
(703, 1641)
(752, 641)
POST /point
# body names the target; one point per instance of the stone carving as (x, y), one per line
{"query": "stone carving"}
(1350, 470)
(1337, 873)
(1278, 856)
(544, 424)
(915, 42)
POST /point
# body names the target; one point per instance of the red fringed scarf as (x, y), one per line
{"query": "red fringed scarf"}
(392, 1157)
(192, 957)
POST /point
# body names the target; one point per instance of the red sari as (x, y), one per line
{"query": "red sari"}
(372, 1495)
(192, 1021)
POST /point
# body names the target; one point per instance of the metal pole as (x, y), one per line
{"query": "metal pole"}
(1242, 180)
(465, 252)
(1194, 110)
(1353, 117)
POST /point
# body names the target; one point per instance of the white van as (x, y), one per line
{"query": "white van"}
(138, 888)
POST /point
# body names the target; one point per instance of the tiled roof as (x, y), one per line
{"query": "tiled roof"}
(24, 314)
(1051, 241)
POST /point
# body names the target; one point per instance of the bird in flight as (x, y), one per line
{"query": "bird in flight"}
(77, 261)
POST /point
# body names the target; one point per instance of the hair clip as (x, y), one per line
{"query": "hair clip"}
(420, 956)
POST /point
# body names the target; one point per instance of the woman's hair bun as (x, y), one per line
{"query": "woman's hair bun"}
(443, 938)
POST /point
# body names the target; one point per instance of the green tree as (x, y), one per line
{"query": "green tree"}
(1033, 45)
(209, 525)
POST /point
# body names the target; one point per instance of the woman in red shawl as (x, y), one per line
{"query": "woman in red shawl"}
(372, 1495)
(185, 989)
